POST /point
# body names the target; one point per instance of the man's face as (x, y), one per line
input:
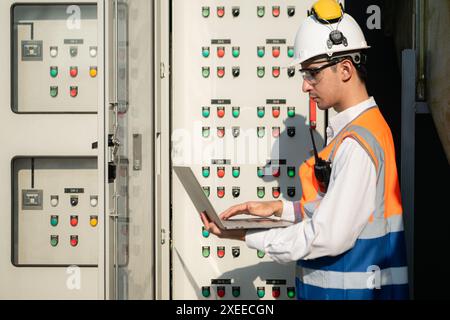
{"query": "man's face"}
(321, 82)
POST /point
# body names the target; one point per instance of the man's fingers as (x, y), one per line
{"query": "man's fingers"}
(205, 219)
(233, 211)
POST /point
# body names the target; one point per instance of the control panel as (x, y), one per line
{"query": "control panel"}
(55, 214)
(54, 61)
(241, 122)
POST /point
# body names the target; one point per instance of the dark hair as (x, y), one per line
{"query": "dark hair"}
(361, 69)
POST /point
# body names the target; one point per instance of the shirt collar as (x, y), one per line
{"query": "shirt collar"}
(339, 121)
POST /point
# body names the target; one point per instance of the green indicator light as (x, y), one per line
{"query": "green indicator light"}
(54, 241)
(260, 172)
(261, 11)
(261, 72)
(206, 292)
(290, 52)
(205, 12)
(206, 191)
(261, 52)
(53, 92)
(54, 72)
(291, 173)
(260, 254)
(236, 173)
(261, 113)
(206, 173)
(291, 113)
(54, 221)
(236, 292)
(206, 133)
(205, 252)
(205, 53)
(236, 52)
(261, 133)
(205, 72)
(205, 233)
(291, 293)
(261, 193)
(206, 112)
(236, 113)
(261, 293)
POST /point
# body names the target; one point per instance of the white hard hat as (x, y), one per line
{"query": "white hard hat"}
(316, 38)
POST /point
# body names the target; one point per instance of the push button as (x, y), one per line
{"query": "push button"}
(73, 72)
(235, 11)
(206, 251)
(54, 240)
(73, 221)
(276, 131)
(93, 72)
(93, 221)
(74, 241)
(205, 72)
(276, 52)
(236, 112)
(261, 72)
(261, 192)
(54, 220)
(236, 292)
(206, 292)
(236, 71)
(74, 92)
(261, 132)
(53, 91)
(291, 192)
(276, 11)
(276, 112)
(206, 172)
(291, 112)
(291, 11)
(236, 52)
(205, 132)
(236, 132)
(276, 192)
(220, 192)
(221, 252)
(261, 112)
(291, 72)
(236, 192)
(260, 172)
(205, 52)
(291, 132)
(236, 172)
(220, 112)
(260, 254)
(290, 52)
(276, 72)
(53, 52)
(205, 233)
(221, 132)
(261, 51)
(276, 292)
(53, 72)
(221, 52)
(261, 292)
(205, 12)
(220, 12)
(291, 172)
(221, 172)
(260, 11)
(291, 292)
(206, 111)
(220, 72)
(221, 292)
(276, 172)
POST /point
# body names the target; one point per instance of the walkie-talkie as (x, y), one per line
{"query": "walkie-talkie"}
(322, 168)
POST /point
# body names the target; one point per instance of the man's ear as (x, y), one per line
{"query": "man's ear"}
(346, 70)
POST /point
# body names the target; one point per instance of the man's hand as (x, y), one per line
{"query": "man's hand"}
(226, 234)
(259, 209)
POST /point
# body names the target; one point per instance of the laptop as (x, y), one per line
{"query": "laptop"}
(202, 204)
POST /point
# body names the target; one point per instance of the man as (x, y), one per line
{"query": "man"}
(348, 238)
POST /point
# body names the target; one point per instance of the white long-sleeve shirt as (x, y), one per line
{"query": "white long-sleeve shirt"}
(343, 212)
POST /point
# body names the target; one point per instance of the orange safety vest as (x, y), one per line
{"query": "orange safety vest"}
(375, 268)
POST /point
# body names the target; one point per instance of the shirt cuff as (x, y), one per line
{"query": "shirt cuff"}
(291, 211)
(288, 212)
(254, 239)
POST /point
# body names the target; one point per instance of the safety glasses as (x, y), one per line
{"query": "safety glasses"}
(312, 75)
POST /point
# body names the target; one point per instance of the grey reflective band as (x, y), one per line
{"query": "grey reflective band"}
(373, 279)
(381, 227)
